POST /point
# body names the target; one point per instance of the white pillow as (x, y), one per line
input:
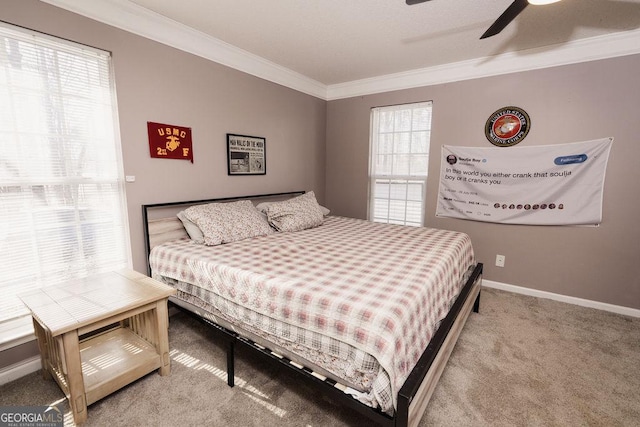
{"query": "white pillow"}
(192, 229)
(228, 222)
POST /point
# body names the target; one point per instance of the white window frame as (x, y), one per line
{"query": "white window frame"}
(17, 327)
(390, 197)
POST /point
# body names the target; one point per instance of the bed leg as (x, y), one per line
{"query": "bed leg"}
(230, 373)
(476, 304)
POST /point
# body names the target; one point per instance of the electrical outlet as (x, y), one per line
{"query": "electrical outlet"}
(500, 260)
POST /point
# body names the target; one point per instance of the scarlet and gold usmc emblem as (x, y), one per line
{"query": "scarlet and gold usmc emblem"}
(173, 142)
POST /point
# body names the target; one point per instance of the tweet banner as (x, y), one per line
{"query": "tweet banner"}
(540, 185)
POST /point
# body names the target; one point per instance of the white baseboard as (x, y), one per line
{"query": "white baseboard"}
(627, 311)
(18, 370)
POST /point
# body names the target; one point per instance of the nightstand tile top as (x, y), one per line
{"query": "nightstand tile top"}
(61, 308)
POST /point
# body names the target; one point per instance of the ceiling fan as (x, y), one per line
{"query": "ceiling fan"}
(507, 16)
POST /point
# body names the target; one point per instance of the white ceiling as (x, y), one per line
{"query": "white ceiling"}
(334, 48)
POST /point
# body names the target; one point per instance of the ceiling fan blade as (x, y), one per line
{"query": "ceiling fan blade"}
(507, 16)
(411, 2)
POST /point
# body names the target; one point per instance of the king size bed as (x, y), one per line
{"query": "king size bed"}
(368, 312)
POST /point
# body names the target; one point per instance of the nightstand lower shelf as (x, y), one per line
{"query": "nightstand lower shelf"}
(114, 359)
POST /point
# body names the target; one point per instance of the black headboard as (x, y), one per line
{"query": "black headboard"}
(171, 224)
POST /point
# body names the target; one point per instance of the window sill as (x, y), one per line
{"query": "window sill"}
(15, 332)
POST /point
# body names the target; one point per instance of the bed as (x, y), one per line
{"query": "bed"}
(367, 312)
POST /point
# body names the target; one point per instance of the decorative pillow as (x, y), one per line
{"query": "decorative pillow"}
(228, 222)
(192, 229)
(295, 214)
(262, 207)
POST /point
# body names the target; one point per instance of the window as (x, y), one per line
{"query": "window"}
(62, 201)
(399, 160)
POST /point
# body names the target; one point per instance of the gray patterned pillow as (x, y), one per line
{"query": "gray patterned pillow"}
(262, 207)
(228, 222)
(296, 214)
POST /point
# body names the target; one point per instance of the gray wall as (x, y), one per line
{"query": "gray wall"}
(566, 104)
(161, 84)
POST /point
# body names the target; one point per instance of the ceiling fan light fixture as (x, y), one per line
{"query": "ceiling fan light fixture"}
(538, 2)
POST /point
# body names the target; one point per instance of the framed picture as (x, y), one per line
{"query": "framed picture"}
(246, 155)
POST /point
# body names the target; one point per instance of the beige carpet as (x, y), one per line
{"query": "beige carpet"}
(522, 361)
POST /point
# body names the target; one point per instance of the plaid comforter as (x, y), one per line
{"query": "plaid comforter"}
(380, 288)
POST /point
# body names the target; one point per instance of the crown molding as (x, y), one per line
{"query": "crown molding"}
(584, 50)
(135, 19)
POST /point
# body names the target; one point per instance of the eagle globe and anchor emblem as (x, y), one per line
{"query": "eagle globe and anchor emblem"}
(507, 126)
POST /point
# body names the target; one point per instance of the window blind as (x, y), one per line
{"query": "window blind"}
(62, 200)
(398, 164)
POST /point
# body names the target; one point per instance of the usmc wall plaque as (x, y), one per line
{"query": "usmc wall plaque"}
(507, 126)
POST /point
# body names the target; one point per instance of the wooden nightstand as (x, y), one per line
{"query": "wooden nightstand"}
(100, 333)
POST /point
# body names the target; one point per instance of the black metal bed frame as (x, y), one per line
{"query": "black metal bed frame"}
(327, 386)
